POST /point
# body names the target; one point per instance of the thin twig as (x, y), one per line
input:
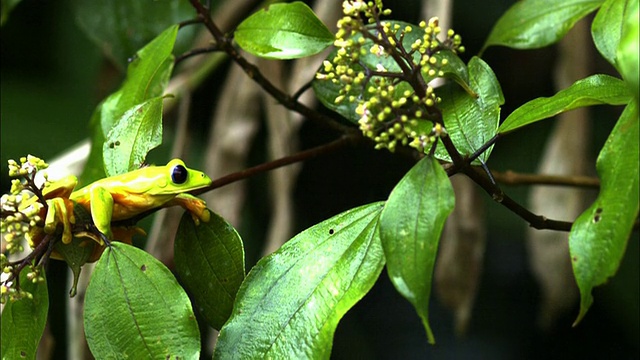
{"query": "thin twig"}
(513, 178)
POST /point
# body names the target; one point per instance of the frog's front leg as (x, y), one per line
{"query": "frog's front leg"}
(60, 211)
(101, 210)
(196, 206)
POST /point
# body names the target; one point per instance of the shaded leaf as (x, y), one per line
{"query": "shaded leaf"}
(137, 132)
(607, 27)
(594, 90)
(471, 121)
(291, 302)
(410, 227)
(210, 262)
(531, 24)
(283, 31)
(23, 320)
(135, 308)
(147, 76)
(121, 27)
(598, 238)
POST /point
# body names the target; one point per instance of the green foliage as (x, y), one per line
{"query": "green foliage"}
(531, 24)
(599, 236)
(471, 120)
(132, 112)
(121, 27)
(210, 263)
(292, 300)
(594, 90)
(135, 308)
(23, 320)
(628, 49)
(283, 31)
(379, 78)
(410, 238)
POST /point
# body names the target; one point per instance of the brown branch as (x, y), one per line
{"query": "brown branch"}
(512, 178)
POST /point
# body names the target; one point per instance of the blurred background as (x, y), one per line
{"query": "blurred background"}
(56, 66)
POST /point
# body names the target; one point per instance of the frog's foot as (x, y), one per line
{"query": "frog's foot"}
(195, 206)
(60, 211)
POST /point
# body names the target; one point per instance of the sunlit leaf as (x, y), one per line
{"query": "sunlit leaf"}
(283, 31)
(530, 24)
(628, 50)
(594, 90)
(291, 302)
(210, 263)
(137, 132)
(135, 308)
(607, 27)
(23, 320)
(471, 121)
(410, 227)
(598, 238)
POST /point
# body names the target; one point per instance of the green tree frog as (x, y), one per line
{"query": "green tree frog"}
(123, 197)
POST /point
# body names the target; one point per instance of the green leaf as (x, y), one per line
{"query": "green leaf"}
(7, 6)
(283, 31)
(594, 90)
(210, 263)
(410, 227)
(471, 121)
(147, 77)
(531, 24)
(23, 320)
(628, 50)
(135, 308)
(598, 238)
(137, 132)
(121, 27)
(606, 28)
(291, 302)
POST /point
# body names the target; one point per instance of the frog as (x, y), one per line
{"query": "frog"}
(123, 197)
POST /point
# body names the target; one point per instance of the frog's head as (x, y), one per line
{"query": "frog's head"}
(178, 178)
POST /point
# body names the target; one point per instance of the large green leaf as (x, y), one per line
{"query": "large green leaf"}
(137, 132)
(594, 90)
(628, 49)
(471, 121)
(23, 320)
(530, 24)
(410, 227)
(291, 302)
(599, 236)
(606, 28)
(147, 76)
(283, 31)
(121, 27)
(135, 308)
(210, 263)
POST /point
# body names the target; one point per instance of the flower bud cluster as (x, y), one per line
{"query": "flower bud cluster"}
(387, 103)
(20, 208)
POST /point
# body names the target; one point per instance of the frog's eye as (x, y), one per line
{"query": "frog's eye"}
(179, 174)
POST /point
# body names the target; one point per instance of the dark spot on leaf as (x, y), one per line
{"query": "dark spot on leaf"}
(23, 354)
(599, 211)
(575, 258)
(596, 218)
(331, 231)
(143, 268)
